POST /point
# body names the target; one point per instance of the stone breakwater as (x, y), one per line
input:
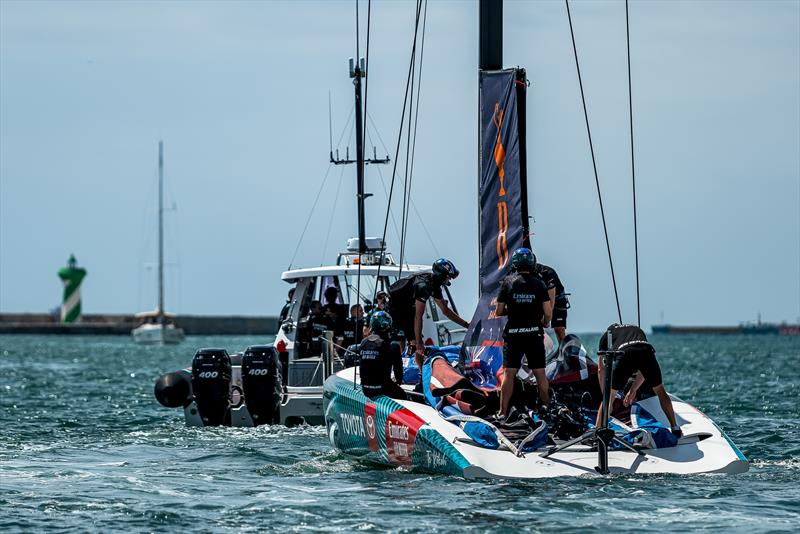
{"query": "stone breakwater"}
(122, 324)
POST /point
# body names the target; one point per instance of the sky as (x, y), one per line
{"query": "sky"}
(239, 93)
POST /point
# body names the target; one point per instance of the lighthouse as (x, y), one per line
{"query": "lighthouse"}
(71, 276)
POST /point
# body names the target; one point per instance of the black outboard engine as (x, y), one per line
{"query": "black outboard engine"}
(262, 384)
(211, 385)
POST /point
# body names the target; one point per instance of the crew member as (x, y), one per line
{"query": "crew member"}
(408, 297)
(334, 313)
(353, 326)
(524, 298)
(558, 299)
(380, 357)
(638, 357)
(286, 307)
(381, 304)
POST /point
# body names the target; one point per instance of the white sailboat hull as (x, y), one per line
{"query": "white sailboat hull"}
(157, 334)
(400, 432)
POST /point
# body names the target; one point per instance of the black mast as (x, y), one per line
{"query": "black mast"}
(491, 35)
(357, 72)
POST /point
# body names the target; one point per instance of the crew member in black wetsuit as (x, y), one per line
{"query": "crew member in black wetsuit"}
(638, 357)
(286, 307)
(558, 299)
(334, 313)
(408, 297)
(379, 358)
(353, 326)
(523, 297)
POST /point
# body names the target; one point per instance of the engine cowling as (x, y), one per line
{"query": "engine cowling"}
(211, 385)
(262, 384)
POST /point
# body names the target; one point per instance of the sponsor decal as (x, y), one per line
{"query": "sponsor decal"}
(369, 420)
(401, 432)
(352, 424)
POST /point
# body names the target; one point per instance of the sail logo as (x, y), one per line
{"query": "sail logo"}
(502, 207)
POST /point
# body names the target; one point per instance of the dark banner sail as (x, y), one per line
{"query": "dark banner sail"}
(502, 197)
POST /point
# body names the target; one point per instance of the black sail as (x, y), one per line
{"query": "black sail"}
(502, 200)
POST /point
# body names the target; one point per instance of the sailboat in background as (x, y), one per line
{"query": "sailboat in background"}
(158, 327)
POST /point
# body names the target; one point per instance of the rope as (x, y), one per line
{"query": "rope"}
(397, 148)
(633, 167)
(413, 141)
(333, 214)
(594, 163)
(310, 214)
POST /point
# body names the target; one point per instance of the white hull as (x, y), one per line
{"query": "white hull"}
(427, 442)
(156, 334)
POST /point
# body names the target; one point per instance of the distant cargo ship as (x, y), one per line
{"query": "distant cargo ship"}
(782, 329)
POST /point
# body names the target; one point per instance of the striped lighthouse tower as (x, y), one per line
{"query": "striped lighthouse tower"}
(72, 276)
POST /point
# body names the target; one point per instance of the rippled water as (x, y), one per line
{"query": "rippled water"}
(86, 447)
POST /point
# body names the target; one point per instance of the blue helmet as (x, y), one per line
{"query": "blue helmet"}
(381, 321)
(444, 268)
(523, 258)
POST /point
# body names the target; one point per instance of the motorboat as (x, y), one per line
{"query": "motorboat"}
(299, 360)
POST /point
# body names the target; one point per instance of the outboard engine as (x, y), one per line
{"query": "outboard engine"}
(262, 384)
(211, 385)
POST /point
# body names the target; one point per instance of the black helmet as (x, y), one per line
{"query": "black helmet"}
(381, 321)
(444, 268)
(523, 258)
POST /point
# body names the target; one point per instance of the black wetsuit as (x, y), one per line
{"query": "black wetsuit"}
(336, 323)
(379, 357)
(284, 312)
(352, 331)
(524, 295)
(404, 295)
(552, 281)
(639, 355)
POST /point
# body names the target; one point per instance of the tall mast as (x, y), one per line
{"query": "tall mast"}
(491, 35)
(161, 232)
(357, 73)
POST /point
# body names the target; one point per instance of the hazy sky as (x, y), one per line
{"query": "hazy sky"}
(239, 94)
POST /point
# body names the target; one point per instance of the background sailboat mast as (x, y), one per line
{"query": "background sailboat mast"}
(161, 232)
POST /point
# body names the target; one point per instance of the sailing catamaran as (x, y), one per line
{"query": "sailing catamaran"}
(449, 428)
(158, 327)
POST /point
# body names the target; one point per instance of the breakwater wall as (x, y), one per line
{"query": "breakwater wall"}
(122, 324)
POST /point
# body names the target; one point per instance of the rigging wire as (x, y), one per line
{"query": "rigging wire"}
(361, 163)
(333, 214)
(633, 166)
(310, 214)
(414, 142)
(397, 148)
(594, 163)
(412, 203)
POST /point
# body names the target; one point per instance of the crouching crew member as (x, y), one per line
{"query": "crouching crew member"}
(524, 298)
(558, 299)
(379, 358)
(408, 296)
(638, 357)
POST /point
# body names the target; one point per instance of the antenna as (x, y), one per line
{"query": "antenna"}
(330, 124)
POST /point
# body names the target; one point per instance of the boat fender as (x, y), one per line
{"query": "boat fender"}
(262, 384)
(173, 390)
(211, 385)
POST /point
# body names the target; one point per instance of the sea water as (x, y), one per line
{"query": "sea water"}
(84, 446)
